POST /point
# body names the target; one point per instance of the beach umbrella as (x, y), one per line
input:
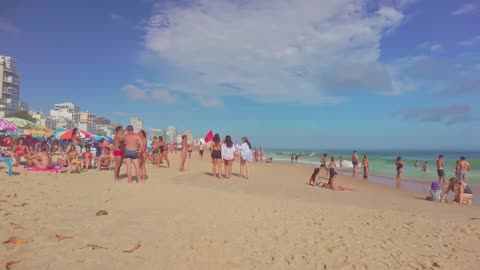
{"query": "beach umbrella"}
(39, 131)
(105, 138)
(6, 125)
(67, 134)
(21, 123)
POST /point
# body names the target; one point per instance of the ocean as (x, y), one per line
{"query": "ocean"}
(382, 163)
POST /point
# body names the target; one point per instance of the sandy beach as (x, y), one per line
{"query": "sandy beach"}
(191, 220)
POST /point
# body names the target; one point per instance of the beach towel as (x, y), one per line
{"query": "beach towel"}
(54, 169)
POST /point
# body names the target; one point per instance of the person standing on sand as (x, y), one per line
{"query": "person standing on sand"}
(341, 161)
(245, 156)
(399, 164)
(331, 167)
(190, 150)
(228, 155)
(464, 167)
(355, 163)
(118, 149)
(155, 151)
(292, 157)
(142, 158)
(216, 155)
(201, 148)
(323, 163)
(365, 166)
(183, 154)
(163, 152)
(440, 170)
(133, 144)
(261, 154)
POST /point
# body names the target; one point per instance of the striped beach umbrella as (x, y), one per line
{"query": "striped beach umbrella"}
(21, 123)
(6, 125)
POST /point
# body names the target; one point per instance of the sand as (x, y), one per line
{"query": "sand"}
(191, 220)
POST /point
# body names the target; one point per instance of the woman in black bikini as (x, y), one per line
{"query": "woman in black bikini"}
(399, 164)
(217, 155)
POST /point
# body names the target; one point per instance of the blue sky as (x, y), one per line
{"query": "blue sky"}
(295, 73)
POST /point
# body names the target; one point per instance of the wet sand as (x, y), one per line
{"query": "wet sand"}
(191, 220)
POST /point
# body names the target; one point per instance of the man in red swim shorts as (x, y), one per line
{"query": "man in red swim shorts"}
(118, 149)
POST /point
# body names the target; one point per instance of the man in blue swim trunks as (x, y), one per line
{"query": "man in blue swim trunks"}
(133, 144)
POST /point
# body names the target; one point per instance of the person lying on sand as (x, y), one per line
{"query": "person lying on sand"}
(463, 193)
(40, 160)
(331, 183)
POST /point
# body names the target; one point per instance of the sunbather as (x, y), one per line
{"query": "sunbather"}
(40, 160)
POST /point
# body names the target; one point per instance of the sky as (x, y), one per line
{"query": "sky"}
(330, 74)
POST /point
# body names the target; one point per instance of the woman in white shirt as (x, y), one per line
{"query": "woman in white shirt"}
(228, 155)
(245, 156)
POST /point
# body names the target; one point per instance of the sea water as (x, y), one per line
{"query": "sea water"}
(382, 162)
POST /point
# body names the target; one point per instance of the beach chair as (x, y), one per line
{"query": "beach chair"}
(9, 162)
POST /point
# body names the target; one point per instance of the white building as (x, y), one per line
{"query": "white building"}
(9, 86)
(105, 130)
(136, 123)
(171, 134)
(43, 119)
(64, 123)
(67, 110)
(179, 139)
(86, 121)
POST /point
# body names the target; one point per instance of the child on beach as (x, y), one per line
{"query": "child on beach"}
(365, 166)
(435, 192)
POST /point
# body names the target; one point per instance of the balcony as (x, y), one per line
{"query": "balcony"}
(10, 90)
(12, 80)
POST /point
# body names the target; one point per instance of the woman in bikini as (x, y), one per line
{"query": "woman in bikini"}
(163, 151)
(72, 158)
(365, 166)
(399, 164)
(21, 150)
(142, 154)
(217, 155)
(183, 154)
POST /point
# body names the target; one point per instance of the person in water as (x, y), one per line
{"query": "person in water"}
(399, 164)
(340, 161)
(463, 168)
(425, 167)
(366, 166)
(416, 164)
(440, 170)
(355, 163)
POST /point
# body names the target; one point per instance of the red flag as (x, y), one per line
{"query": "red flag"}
(209, 136)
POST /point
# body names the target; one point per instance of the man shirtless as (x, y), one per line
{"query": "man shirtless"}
(155, 151)
(40, 160)
(143, 154)
(440, 170)
(355, 163)
(201, 148)
(118, 148)
(133, 143)
(463, 168)
(184, 153)
(323, 164)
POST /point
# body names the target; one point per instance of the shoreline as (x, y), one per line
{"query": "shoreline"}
(407, 185)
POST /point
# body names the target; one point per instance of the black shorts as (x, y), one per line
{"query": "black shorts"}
(322, 165)
(332, 171)
(355, 163)
(216, 154)
(201, 152)
(440, 172)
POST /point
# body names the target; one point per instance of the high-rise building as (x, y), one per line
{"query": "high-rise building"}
(86, 117)
(189, 136)
(102, 121)
(156, 132)
(43, 119)
(136, 123)
(67, 110)
(9, 86)
(171, 134)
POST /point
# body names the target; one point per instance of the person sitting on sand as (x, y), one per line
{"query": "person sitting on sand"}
(72, 158)
(105, 159)
(314, 178)
(21, 150)
(463, 193)
(87, 158)
(435, 192)
(40, 160)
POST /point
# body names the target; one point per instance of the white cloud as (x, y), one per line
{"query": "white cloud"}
(471, 42)
(465, 9)
(303, 51)
(209, 102)
(431, 46)
(133, 92)
(163, 96)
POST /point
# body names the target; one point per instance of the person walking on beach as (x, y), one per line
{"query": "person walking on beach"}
(365, 166)
(323, 164)
(296, 158)
(399, 164)
(118, 148)
(228, 155)
(464, 167)
(216, 155)
(440, 170)
(201, 148)
(163, 147)
(245, 156)
(142, 158)
(183, 154)
(355, 163)
(131, 155)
